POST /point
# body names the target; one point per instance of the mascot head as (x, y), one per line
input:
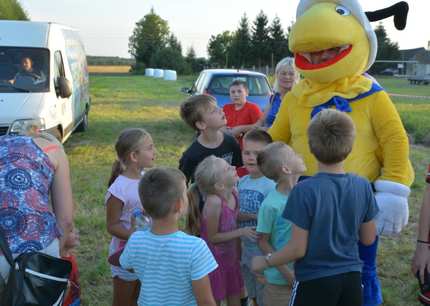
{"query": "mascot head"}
(333, 39)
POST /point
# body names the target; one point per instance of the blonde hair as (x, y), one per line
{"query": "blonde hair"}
(331, 136)
(285, 63)
(192, 221)
(128, 141)
(207, 174)
(271, 159)
(192, 109)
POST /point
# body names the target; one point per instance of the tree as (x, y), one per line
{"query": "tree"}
(173, 42)
(169, 58)
(241, 44)
(191, 60)
(387, 50)
(278, 41)
(219, 48)
(149, 36)
(12, 10)
(260, 40)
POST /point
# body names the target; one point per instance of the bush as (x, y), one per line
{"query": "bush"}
(138, 68)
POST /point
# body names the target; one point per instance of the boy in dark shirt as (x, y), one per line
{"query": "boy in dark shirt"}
(203, 115)
(330, 212)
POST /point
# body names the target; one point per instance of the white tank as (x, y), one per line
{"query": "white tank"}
(149, 72)
(158, 73)
(170, 75)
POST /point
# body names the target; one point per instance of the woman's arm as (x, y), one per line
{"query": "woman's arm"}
(61, 194)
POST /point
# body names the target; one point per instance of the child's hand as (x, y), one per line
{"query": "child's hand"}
(288, 275)
(258, 264)
(249, 232)
(260, 278)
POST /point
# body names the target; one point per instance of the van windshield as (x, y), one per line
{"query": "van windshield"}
(24, 69)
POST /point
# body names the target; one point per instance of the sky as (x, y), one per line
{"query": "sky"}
(106, 25)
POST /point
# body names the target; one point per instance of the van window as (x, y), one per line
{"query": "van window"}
(257, 85)
(24, 69)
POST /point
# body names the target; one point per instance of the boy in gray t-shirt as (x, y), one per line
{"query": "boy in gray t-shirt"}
(330, 212)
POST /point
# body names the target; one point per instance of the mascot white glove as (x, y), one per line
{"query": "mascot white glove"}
(392, 199)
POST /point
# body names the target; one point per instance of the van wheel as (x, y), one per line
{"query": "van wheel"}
(56, 132)
(83, 126)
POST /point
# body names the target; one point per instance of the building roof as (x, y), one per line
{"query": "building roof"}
(417, 54)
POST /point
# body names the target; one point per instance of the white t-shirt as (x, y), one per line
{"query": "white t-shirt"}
(126, 190)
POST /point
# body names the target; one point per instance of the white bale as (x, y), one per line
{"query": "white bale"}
(158, 73)
(149, 72)
(170, 75)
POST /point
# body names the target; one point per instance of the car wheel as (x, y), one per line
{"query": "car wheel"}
(83, 126)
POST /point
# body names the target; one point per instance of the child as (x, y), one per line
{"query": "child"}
(241, 114)
(135, 151)
(218, 179)
(330, 212)
(202, 114)
(278, 162)
(253, 188)
(172, 266)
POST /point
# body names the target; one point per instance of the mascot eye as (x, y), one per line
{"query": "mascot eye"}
(343, 11)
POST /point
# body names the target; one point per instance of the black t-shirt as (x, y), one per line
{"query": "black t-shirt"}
(229, 150)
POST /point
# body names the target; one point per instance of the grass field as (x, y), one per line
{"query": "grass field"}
(108, 69)
(136, 101)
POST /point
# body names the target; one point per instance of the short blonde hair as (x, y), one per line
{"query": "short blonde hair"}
(285, 63)
(192, 109)
(272, 158)
(331, 136)
(207, 174)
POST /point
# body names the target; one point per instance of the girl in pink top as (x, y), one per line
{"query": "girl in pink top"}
(135, 151)
(217, 179)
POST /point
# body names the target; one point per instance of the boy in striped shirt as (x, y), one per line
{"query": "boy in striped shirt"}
(172, 266)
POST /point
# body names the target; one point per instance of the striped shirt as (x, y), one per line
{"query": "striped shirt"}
(166, 265)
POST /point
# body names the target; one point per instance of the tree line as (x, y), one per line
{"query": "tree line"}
(255, 43)
(153, 45)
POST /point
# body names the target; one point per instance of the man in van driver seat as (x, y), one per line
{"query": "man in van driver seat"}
(27, 71)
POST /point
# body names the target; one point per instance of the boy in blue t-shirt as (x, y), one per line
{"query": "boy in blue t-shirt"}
(281, 164)
(172, 266)
(330, 212)
(253, 188)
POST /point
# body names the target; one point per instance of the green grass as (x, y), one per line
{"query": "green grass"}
(136, 101)
(402, 86)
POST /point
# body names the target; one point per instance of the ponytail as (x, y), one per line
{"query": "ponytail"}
(116, 171)
(192, 222)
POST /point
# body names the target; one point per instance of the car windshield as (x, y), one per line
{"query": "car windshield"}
(24, 69)
(257, 85)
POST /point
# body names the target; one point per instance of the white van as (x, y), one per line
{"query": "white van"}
(43, 78)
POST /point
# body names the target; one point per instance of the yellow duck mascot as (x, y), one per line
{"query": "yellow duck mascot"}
(333, 45)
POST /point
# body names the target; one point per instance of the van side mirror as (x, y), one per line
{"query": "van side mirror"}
(64, 87)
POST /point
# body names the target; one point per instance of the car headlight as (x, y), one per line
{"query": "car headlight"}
(27, 126)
